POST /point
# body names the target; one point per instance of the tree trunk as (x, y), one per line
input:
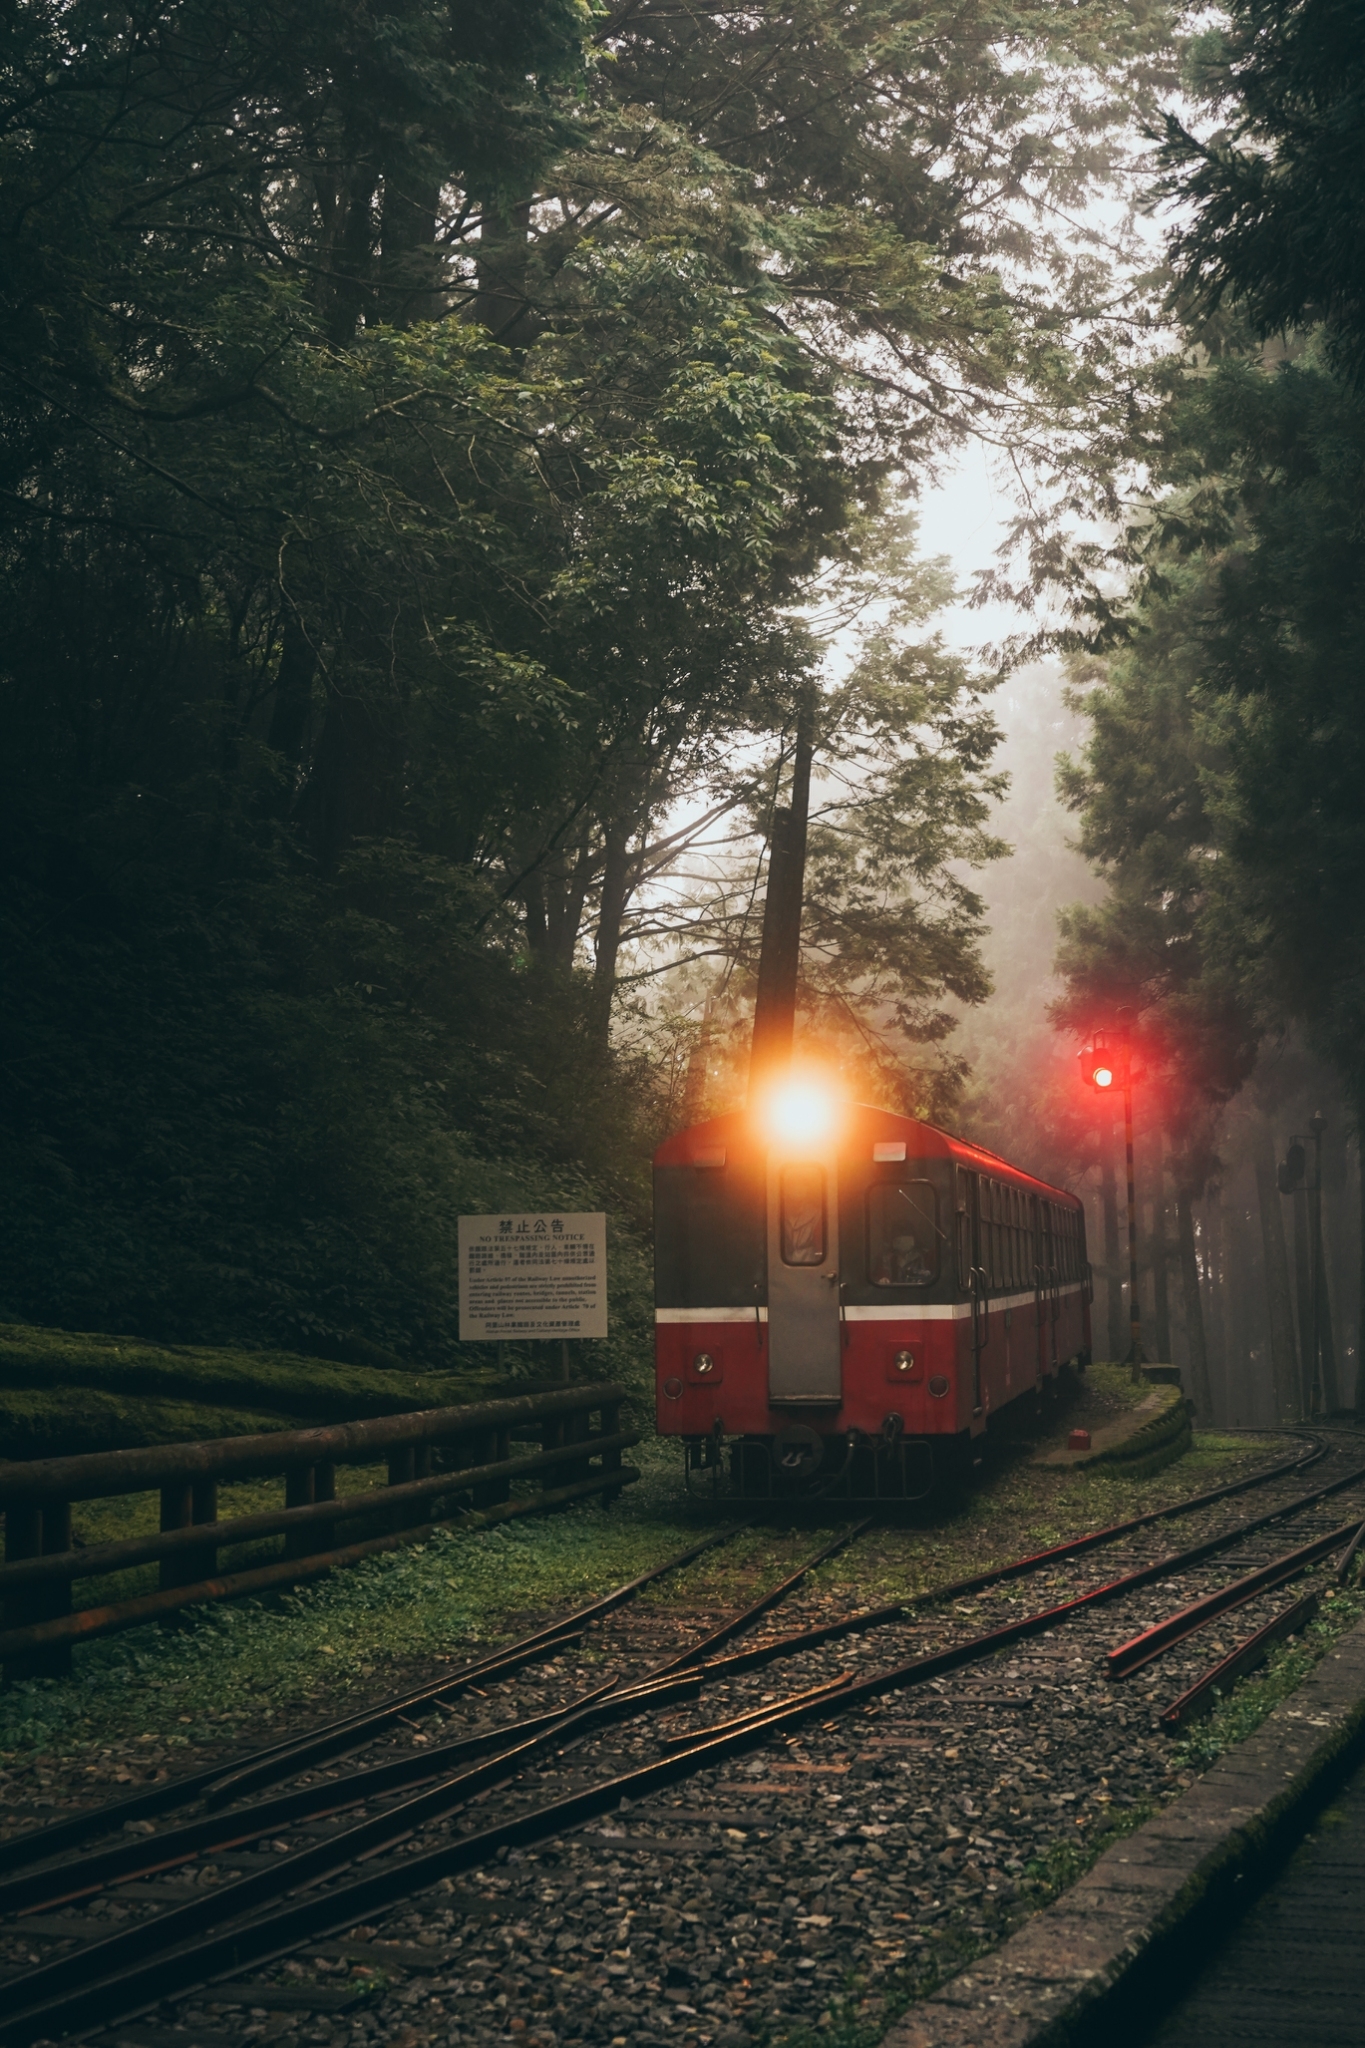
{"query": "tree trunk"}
(780, 958)
(1201, 1393)
(290, 713)
(1215, 1319)
(1244, 1409)
(1284, 1363)
(1113, 1289)
(352, 255)
(500, 299)
(1331, 1392)
(410, 263)
(351, 791)
(1303, 1296)
(698, 1061)
(615, 894)
(1360, 1336)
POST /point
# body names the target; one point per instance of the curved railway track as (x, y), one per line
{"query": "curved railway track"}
(153, 1908)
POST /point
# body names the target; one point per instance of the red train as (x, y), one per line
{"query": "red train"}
(845, 1298)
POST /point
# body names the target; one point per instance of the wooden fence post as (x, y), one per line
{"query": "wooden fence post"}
(485, 1448)
(183, 1503)
(611, 1460)
(299, 1486)
(38, 1529)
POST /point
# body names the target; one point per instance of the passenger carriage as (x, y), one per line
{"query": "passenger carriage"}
(846, 1299)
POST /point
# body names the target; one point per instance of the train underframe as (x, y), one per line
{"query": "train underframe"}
(862, 1467)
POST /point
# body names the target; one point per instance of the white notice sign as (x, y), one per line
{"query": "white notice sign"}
(539, 1275)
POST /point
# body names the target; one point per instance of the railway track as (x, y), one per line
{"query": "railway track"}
(564, 1790)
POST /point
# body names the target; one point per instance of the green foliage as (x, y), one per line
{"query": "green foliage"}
(1273, 198)
(423, 438)
(1218, 794)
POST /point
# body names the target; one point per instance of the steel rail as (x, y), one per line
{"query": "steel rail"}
(1163, 1635)
(691, 1736)
(738, 1622)
(979, 1582)
(268, 1762)
(82, 1876)
(297, 1752)
(126, 1989)
(123, 1861)
(1351, 1554)
(1202, 1696)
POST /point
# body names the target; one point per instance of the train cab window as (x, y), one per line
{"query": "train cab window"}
(802, 1196)
(710, 1236)
(902, 1234)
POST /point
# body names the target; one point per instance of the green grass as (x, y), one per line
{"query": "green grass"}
(1255, 1696)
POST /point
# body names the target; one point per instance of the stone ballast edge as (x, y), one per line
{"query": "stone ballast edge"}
(1141, 1908)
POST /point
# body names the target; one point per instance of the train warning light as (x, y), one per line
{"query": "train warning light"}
(800, 1112)
(1103, 1077)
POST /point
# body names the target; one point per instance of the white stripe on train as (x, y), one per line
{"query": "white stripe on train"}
(876, 1312)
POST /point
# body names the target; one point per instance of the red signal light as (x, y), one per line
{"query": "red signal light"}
(1099, 1068)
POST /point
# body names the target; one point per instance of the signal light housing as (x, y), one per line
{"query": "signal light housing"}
(1099, 1063)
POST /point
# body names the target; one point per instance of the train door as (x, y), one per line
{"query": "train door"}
(805, 1333)
(970, 1278)
(1052, 1293)
(1041, 1318)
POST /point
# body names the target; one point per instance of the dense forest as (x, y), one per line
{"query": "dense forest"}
(453, 459)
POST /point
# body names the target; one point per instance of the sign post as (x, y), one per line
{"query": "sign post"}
(534, 1274)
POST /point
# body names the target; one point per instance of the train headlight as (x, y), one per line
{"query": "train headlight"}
(903, 1364)
(704, 1365)
(800, 1112)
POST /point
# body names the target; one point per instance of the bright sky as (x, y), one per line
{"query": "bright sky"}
(965, 518)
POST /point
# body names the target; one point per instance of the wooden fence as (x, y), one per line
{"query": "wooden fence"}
(444, 1465)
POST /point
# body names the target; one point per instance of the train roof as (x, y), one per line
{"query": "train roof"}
(687, 1147)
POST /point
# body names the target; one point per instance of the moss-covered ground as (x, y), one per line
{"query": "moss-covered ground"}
(63, 1392)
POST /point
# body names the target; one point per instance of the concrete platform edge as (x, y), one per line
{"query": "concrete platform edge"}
(1074, 1973)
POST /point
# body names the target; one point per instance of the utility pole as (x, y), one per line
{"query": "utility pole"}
(1107, 1062)
(780, 956)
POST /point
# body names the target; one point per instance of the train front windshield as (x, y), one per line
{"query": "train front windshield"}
(902, 1234)
(710, 1245)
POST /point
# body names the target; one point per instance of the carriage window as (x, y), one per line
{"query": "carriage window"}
(902, 1234)
(803, 1215)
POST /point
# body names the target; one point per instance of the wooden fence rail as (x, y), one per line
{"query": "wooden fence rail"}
(456, 1458)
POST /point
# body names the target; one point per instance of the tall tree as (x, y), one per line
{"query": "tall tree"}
(1272, 198)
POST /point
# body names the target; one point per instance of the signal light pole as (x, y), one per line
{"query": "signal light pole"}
(1292, 1180)
(1107, 1063)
